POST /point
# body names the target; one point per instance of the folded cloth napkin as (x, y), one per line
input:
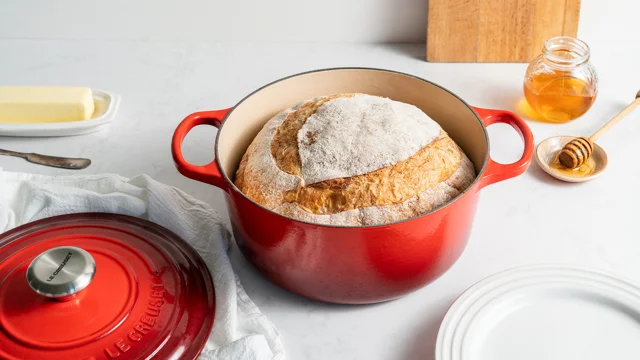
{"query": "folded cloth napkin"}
(240, 331)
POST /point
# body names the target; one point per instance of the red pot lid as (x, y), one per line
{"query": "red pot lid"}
(101, 286)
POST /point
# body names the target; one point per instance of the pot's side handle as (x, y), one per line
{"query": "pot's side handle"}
(209, 173)
(496, 172)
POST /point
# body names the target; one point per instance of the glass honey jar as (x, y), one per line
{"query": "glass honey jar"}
(561, 84)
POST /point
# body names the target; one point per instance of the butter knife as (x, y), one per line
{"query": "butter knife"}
(53, 161)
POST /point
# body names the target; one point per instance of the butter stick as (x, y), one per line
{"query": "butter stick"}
(45, 104)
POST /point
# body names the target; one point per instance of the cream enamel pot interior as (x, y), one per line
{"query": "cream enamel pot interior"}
(351, 264)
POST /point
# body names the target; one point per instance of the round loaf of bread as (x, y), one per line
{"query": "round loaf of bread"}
(353, 160)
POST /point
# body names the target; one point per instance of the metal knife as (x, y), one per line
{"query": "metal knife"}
(53, 161)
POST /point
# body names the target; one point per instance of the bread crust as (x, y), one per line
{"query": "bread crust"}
(269, 174)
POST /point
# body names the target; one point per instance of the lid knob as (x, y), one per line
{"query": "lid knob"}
(61, 272)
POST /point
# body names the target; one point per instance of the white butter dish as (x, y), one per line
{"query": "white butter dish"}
(106, 105)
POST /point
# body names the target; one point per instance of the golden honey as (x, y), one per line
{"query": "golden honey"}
(559, 98)
(586, 169)
(561, 84)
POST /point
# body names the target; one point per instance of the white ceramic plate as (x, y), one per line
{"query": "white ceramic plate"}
(544, 313)
(106, 106)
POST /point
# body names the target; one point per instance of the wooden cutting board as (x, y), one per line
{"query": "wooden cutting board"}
(496, 30)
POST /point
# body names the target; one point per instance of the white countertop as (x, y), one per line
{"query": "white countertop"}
(526, 220)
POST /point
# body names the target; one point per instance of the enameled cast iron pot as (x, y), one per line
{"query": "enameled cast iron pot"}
(351, 264)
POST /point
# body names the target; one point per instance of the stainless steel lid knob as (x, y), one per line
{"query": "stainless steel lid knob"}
(61, 272)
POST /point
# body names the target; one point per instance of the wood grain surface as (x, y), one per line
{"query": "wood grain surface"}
(496, 30)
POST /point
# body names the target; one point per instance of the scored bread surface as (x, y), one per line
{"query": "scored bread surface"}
(379, 187)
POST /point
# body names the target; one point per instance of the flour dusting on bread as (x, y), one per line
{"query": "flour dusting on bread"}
(257, 163)
(354, 136)
(349, 137)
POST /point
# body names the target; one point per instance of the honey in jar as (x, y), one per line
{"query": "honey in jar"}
(561, 84)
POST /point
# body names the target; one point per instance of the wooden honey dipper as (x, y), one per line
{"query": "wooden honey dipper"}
(577, 151)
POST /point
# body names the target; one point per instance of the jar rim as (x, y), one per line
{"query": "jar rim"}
(566, 50)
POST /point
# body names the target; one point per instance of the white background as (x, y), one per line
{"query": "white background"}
(170, 58)
(603, 23)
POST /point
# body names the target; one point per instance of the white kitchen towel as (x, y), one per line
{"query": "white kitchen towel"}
(240, 331)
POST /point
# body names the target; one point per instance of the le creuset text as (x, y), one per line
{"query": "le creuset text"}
(144, 325)
(64, 262)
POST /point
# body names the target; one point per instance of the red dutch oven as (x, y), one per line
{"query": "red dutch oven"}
(341, 264)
